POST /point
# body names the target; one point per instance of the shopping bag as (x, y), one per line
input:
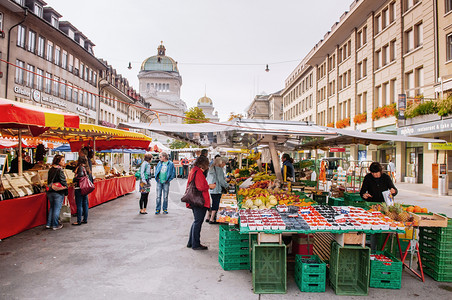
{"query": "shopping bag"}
(65, 212)
(389, 198)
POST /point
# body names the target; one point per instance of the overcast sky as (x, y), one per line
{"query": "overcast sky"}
(220, 46)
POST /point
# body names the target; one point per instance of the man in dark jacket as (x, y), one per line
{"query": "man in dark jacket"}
(375, 183)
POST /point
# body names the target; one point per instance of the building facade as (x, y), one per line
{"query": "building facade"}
(160, 84)
(206, 105)
(352, 78)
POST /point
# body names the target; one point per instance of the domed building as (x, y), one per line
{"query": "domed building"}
(206, 104)
(160, 84)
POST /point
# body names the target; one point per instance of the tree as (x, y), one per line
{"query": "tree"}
(196, 115)
(175, 144)
(233, 116)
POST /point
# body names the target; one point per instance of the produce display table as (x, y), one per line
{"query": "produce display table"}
(20, 214)
(106, 190)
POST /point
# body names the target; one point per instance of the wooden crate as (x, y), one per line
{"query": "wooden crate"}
(429, 220)
(351, 238)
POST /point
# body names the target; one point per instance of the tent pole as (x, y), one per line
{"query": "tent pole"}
(19, 158)
(275, 160)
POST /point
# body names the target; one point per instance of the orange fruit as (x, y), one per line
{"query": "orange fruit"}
(417, 209)
(424, 210)
(410, 209)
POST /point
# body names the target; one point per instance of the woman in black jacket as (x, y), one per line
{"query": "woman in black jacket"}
(375, 183)
(56, 198)
(81, 200)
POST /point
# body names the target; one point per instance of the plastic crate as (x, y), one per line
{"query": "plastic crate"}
(444, 269)
(269, 269)
(352, 197)
(335, 201)
(234, 266)
(233, 258)
(349, 269)
(386, 284)
(437, 231)
(435, 260)
(309, 183)
(386, 274)
(307, 268)
(428, 246)
(240, 246)
(310, 287)
(440, 245)
(321, 199)
(437, 276)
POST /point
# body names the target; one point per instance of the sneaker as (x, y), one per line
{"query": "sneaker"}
(48, 227)
(165, 212)
(58, 227)
(157, 212)
(201, 247)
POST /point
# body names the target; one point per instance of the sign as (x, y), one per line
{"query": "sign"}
(440, 146)
(402, 106)
(22, 91)
(442, 169)
(337, 149)
(36, 95)
(53, 101)
(430, 127)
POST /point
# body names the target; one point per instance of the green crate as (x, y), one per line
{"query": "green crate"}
(352, 197)
(440, 245)
(335, 201)
(307, 268)
(432, 251)
(269, 269)
(439, 236)
(310, 287)
(444, 269)
(241, 247)
(437, 276)
(234, 266)
(233, 257)
(320, 199)
(349, 269)
(435, 260)
(234, 241)
(436, 231)
(386, 284)
(309, 183)
(429, 246)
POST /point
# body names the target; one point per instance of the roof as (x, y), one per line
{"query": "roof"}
(159, 63)
(205, 101)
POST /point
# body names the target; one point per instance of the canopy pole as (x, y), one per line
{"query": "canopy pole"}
(275, 160)
(94, 144)
(19, 158)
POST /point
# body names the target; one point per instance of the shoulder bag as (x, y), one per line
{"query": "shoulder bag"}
(86, 186)
(192, 195)
(55, 186)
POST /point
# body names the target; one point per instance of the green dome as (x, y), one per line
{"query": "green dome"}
(159, 63)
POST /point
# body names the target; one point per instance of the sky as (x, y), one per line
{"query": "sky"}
(222, 47)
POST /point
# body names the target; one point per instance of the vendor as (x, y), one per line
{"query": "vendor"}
(288, 165)
(26, 163)
(375, 183)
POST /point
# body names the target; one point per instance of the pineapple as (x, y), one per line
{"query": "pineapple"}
(402, 215)
(392, 213)
(384, 208)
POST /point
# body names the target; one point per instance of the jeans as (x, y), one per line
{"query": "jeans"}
(185, 171)
(82, 206)
(162, 188)
(56, 201)
(195, 232)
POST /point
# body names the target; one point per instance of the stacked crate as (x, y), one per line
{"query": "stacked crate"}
(349, 269)
(386, 275)
(234, 251)
(310, 273)
(435, 246)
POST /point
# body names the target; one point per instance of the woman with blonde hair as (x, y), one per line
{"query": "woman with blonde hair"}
(216, 175)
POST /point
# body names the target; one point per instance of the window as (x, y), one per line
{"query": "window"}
(419, 34)
(80, 100)
(378, 97)
(1, 21)
(385, 19)
(361, 39)
(359, 99)
(420, 81)
(409, 40)
(364, 105)
(54, 21)
(393, 91)
(48, 83)
(20, 65)
(447, 6)
(63, 89)
(449, 47)
(409, 84)
(41, 43)
(56, 85)
(21, 36)
(64, 60)
(364, 35)
(57, 55)
(38, 10)
(385, 55)
(365, 67)
(359, 70)
(39, 79)
(30, 76)
(386, 99)
(74, 95)
(392, 50)
(31, 41)
(86, 73)
(392, 12)
(378, 24)
(410, 3)
(71, 63)
(69, 91)
(378, 59)
(49, 50)
(82, 69)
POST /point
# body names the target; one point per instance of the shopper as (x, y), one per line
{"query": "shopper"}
(196, 174)
(185, 162)
(145, 183)
(205, 153)
(56, 198)
(164, 173)
(81, 201)
(288, 165)
(392, 170)
(375, 183)
(216, 175)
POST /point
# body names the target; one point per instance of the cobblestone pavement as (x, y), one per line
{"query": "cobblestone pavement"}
(121, 254)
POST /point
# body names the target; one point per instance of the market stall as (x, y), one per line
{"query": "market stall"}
(266, 217)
